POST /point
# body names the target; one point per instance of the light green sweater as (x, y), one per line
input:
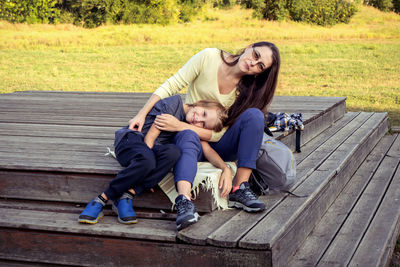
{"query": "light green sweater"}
(200, 75)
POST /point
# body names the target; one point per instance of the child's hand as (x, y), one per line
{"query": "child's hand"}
(136, 124)
(167, 122)
(225, 182)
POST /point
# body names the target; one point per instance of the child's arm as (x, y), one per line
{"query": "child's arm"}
(169, 123)
(151, 136)
(225, 181)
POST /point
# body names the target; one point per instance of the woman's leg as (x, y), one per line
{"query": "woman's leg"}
(242, 142)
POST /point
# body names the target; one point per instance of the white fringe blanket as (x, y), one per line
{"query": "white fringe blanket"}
(207, 178)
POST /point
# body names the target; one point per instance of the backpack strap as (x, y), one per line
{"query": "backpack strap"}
(293, 194)
(298, 135)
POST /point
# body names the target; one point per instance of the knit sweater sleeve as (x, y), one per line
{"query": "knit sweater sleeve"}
(183, 77)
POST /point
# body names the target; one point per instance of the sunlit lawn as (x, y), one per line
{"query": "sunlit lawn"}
(359, 60)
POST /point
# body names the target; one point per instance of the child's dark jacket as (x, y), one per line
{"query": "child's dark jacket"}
(172, 105)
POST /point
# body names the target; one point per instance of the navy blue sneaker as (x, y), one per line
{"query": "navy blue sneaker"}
(123, 207)
(187, 214)
(244, 198)
(93, 212)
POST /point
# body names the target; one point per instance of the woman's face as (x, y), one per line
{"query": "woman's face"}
(255, 60)
(202, 117)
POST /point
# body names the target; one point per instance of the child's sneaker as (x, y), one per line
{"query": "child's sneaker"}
(244, 198)
(93, 212)
(123, 207)
(187, 214)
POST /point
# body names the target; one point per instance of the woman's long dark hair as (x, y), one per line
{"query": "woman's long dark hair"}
(254, 91)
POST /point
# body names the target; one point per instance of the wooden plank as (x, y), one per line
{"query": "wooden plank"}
(231, 232)
(81, 188)
(160, 230)
(347, 239)
(64, 207)
(310, 147)
(46, 130)
(289, 225)
(319, 239)
(395, 150)
(322, 152)
(70, 249)
(197, 233)
(377, 245)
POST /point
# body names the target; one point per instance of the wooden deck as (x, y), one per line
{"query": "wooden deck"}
(52, 162)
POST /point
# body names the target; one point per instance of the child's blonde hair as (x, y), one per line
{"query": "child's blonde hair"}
(222, 113)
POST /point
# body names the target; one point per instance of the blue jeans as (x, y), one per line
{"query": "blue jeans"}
(240, 142)
(144, 167)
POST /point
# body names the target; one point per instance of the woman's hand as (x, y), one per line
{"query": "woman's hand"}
(225, 182)
(169, 123)
(136, 124)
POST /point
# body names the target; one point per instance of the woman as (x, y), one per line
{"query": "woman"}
(245, 83)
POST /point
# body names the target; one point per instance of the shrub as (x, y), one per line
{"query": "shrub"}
(396, 6)
(30, 11)
(384, 5)
(321, 12)
(189, 9)
(275, 10)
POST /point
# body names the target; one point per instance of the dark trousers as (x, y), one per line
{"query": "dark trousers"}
(144, 167)
(240, 142)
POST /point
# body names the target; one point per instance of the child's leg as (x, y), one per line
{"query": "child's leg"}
(141, 161)
(186, 167)
(166, 158)
(185, 172)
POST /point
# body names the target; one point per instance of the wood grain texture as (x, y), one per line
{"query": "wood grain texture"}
(319, 239)
(71, 249)
(377, 245)
(289, 225)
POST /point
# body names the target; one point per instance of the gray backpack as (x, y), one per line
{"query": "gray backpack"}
(276, 167)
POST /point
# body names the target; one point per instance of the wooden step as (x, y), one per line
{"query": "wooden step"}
(54, 142)
(37, 233)
(324, 167)
(362, 225)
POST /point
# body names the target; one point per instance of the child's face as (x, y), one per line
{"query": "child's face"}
(202, 117)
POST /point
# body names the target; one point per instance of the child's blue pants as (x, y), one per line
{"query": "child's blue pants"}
(144, 167)
(240, 142)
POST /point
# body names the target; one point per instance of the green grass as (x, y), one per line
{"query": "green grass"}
(359, 60)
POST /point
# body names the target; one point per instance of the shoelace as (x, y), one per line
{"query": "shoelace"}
(247, 193)
(183, 205)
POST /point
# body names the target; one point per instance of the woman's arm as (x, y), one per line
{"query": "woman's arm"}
(225, 181)
(138, 121)
(169, 123)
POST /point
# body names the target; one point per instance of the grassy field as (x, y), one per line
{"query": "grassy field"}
(359, 60)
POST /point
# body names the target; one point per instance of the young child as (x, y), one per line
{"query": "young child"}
(149, 155)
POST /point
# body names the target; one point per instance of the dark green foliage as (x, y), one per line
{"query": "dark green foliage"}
(321, 12)
(189, 8)
(92, 13)
(384, 5)
(275, 10)
(396, 6)
(30, 11)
